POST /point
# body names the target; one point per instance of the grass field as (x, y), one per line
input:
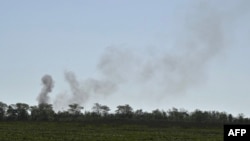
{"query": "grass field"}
(80, 131)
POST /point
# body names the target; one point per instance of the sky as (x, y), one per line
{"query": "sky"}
(191, 54)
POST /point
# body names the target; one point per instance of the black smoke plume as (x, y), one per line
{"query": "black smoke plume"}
(172, 70)
(48, 85)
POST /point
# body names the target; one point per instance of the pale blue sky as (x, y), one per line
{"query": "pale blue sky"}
(49, 37)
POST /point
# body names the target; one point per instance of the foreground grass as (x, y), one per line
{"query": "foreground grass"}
(80, 131)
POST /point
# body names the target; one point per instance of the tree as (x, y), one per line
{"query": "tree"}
(100, 110)
(199, 116)
(44, 112)
(124, 110)
(97, 108)
(177, 115)
(3, 108)
(241, 117)
(157, 114)
(223, 117)
(12, 112)
(230, 118)
(104, 110)
(75, 109)
(47, 112)
(22, 111)
(34, 112)
(139, 112)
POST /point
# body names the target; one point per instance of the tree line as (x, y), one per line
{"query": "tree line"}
(45, 112)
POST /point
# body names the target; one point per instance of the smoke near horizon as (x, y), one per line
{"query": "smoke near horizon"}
(48, 85)
(172, 71)
(81, 91)
(175, 68)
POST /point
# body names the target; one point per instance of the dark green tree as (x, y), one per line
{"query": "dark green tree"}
(124, 111)
(177, 115)
(75, 109)
(157, 114)
(44, 112)
(12, 112)
(35, 113)
(104, 110)
(3, 108)
(100, 110)
(97, 109)
(230, 118)
(22, 111)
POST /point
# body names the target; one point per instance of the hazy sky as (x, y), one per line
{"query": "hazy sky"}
(188, 54)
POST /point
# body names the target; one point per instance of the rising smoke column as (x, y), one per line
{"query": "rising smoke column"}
(79, 95)
(81, 91)
(176, 68)
(172, 71)
(48, 84)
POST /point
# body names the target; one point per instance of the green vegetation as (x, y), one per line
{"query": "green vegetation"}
(45, 112)
(102, 131)
(21, 122)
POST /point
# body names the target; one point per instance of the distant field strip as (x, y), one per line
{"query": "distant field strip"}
(79, 131)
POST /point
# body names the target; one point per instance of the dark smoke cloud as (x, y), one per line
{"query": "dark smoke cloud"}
(172, 71)
(48, 84)
(79, 95)
(81, 91)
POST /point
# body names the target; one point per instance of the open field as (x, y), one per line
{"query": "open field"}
(94, 131)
